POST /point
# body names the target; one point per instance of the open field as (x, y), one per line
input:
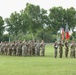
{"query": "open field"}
(38, 65)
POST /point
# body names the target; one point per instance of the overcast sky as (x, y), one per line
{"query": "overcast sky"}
(9, 6)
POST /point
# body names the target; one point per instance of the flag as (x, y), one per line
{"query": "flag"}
(62, 33)
(67, 32)
(70, 32)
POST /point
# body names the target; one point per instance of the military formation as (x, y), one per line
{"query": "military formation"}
(29, 48)
(61, 47)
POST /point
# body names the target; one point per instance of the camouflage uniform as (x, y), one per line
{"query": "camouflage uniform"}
(16, 47)
(66, 49)
(61, 49)
(2, 51)
(32, 48)
(42, 44)
(10, 49)
(75, 51)
(72, 50)
(13, 49)
(20, 49)
(55, 49)
(24, 48)
(0, 48)
(37, 48)
(7, 48)
(29, 48)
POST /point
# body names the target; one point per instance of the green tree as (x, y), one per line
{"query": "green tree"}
(70, 17)
(1, 27)
(56, 14)
(33, 13)
(24, 22)
(13, 23)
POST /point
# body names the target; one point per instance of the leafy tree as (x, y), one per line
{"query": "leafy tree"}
(1, 27)
(56, 14)
(33, 19)
(33, 13)
(5, 37)
(24, 22)
(13, 23)
(70, 17)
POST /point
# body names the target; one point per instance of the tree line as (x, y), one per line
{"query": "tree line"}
(34, 22)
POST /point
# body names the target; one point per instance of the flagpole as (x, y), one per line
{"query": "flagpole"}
(74, 32)
(9, 37)
(57, 36)
(62, 30)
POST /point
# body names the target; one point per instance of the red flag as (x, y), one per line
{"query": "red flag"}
(62, 32)
(67, 35)
(67, 32)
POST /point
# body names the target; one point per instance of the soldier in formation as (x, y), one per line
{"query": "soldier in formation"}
(61, 48)
(72, 49)
(42, 44)
(66, 49)
(66, 46)
(24, 48)
(55, 49)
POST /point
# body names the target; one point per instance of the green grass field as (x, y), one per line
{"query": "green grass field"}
(47, 65)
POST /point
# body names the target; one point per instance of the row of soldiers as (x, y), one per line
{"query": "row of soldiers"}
(67, 48)
(23, 48)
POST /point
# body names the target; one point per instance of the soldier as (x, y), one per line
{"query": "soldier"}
(55, 49)
(75, 50)
(0, 48)
(17, 49)
(13, 49)
(37, 48)
(32, 48)
(10, 48)
(61, 48)
(20, 48)
(24, 48)
(5, 48)
(29, 48)
(72, 50)
(66, 49)
(42, 44)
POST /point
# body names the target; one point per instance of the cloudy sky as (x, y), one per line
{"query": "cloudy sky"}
(9, 6)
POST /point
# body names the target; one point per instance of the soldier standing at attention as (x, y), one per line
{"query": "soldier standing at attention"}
(55, 49)
(42, 44)
(66, 49)
(61, 48)
(75, 50)
(72, 50)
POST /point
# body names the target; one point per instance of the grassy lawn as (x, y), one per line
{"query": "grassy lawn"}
(47, 65)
